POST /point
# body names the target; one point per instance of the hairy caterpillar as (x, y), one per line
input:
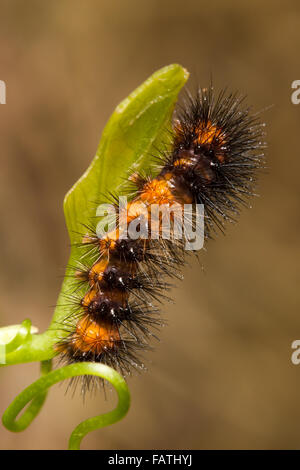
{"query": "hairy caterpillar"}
(213, 160)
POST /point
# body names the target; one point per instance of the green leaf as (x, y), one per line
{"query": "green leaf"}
(135, 129)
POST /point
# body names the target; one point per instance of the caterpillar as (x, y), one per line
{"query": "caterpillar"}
(213, 160)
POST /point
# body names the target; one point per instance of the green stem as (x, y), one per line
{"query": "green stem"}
(38, 389)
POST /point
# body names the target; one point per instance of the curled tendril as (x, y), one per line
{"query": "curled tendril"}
(20, 346)
(36, 393)
(33, 409)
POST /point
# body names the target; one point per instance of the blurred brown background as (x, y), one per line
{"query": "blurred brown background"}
(222, 376)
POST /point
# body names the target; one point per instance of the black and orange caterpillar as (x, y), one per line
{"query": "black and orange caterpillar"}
(214, 159)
